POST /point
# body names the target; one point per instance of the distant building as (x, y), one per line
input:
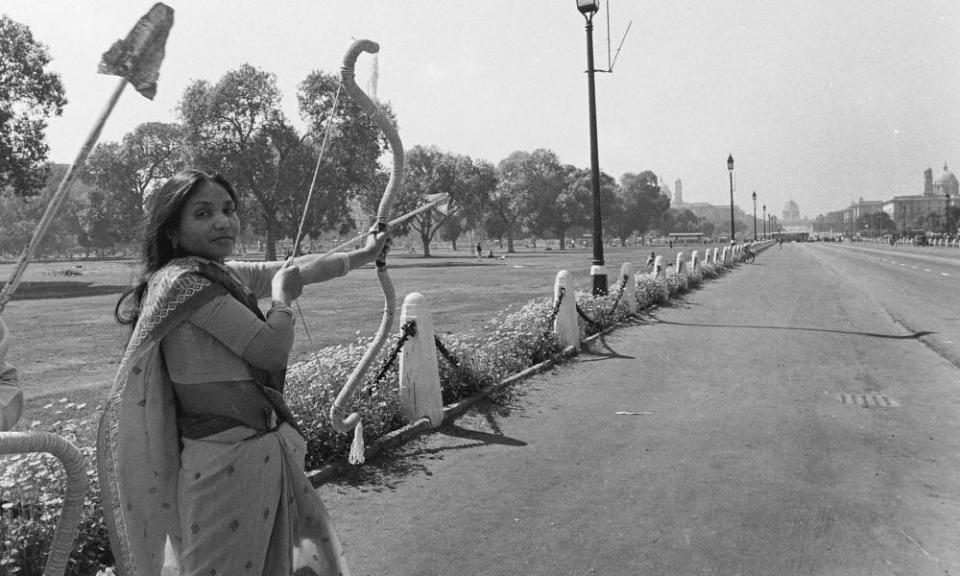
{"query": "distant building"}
(907, 211)
(791, 213)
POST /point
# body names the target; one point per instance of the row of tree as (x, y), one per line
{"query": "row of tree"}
(236, 127)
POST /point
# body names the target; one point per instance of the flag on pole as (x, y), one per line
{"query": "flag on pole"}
(138, 56)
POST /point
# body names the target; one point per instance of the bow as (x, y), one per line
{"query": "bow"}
(342, 420)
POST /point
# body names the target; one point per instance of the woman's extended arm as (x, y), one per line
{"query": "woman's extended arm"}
(314, 268)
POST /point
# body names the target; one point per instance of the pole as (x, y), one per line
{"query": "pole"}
(754, 216)
(764, 221)
(732, 234)
(599, 275)
(946, 214)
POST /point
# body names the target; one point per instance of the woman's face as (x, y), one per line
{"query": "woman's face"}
(209, 225)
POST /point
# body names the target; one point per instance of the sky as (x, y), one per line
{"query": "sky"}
(819, 101)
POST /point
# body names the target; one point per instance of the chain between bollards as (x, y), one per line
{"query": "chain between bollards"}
(623, 286)
(556, 306)
(445, 353)
(407, 331)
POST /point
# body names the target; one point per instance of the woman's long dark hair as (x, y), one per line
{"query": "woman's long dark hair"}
(164, 209)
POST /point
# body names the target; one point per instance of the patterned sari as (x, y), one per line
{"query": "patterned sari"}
(237, 502)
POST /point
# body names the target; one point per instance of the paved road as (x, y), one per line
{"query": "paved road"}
(740, 457)
(918, 287)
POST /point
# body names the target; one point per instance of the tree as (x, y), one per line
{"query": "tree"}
(351, 164)
(877, 222)
(431, 171)
(573, 205)
(645, 204)
(28, 97)
(475, 182)
(683, 221)
(236, 127)
(123, 174)
(19, 217)
(529, 183)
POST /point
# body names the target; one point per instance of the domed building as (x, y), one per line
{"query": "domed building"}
(791, 213)
(946, 183)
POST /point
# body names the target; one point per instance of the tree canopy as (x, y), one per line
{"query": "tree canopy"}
(29, 95)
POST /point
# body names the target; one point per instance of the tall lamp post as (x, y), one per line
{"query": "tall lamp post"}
(733, 236)
(764, 221)
(588, 8)
(754, 215)
(946, 215)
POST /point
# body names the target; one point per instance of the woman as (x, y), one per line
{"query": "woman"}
(200, 460)
(11, 396)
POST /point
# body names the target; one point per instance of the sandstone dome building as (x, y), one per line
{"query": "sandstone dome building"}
(946, 183)
(791, 213)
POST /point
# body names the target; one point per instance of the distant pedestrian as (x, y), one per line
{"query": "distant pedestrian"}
(479, 251)
(780, 242)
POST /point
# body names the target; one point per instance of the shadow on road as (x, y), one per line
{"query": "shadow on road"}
(912, 336)
(388, 469)
(594, 351)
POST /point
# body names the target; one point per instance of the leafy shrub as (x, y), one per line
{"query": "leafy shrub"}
(651, 290)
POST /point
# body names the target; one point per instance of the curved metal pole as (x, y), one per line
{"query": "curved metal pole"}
(73, 463)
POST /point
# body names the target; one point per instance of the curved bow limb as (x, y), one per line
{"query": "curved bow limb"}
(343, 421)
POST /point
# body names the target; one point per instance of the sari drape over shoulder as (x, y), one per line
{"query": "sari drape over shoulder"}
(176, 512)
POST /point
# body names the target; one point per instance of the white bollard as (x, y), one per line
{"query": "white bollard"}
(629, 297)
(695, 263)
(658, 267)
(565, 325)
(419, 375)
(726, 250)
(680, 271)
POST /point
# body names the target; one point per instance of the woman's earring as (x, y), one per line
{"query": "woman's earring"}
(176, 245)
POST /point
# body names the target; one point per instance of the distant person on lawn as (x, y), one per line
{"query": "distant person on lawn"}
(200, 461)
(11, 396)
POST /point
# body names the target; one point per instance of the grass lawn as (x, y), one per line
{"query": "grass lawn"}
(66, 343)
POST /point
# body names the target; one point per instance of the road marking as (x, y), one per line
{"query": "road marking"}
(868, 400)
(927, 270)
(944, 274)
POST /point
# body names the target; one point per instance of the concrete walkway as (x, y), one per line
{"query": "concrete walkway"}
(735, 456)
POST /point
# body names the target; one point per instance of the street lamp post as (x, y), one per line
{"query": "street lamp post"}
(733, 236)
(764, 221)
(588, 8)
(754, 215)
(946, 215)
(903, 219)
